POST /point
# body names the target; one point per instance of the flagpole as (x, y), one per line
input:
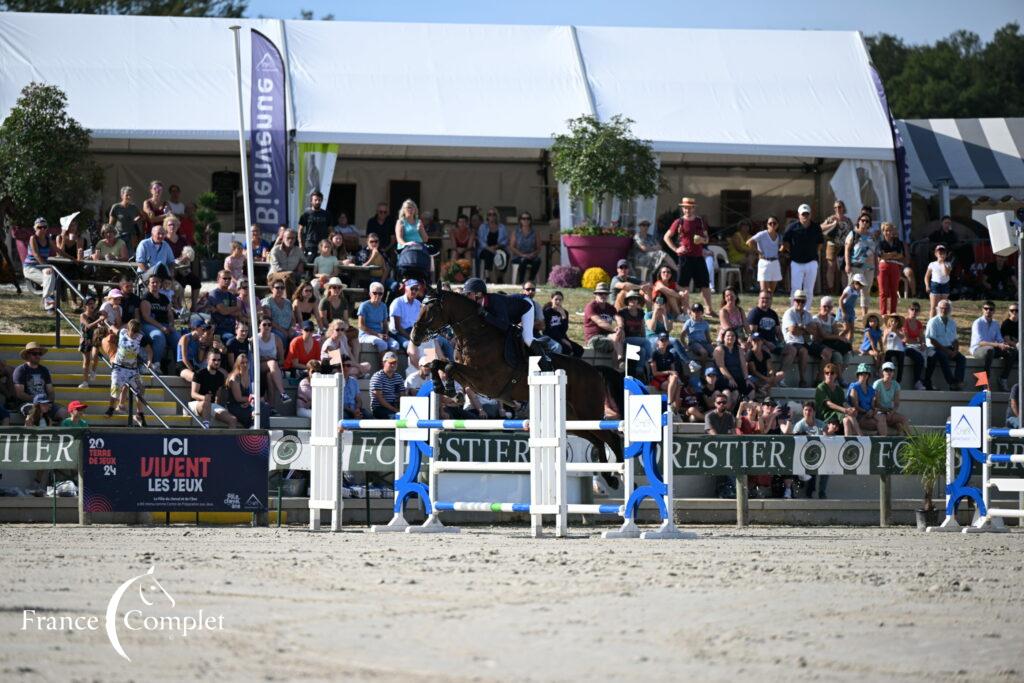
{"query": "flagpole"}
(250, 268)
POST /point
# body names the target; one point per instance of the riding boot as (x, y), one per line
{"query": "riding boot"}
(537, 348)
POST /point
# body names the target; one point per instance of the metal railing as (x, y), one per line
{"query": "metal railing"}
(62, 280)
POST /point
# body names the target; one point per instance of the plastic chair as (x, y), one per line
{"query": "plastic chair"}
(725, 270)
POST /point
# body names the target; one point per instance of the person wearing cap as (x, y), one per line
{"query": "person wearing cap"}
(796, 331)
(314, 225)
(708, 387)
(629, 329)
(987, 344)
(503, 311)
(646, 253)
(801, 241)
(692, 232)
(40, 412)
(936, 278)
(827, 343)
(415, 380)
(35, 265)
(188, 353)
(405, 311)
(664, 370)
(887, 401)
(861, 258)
(622, 283)
(525, 247)
(698, 334)
(373, 321)
(75, 411)
(848, 305)
(862, 396)
(599, 325)
(944, 348)
(303, 348)
(386, 386)
(759, 373)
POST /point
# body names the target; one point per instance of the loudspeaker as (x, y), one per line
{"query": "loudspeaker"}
(1001, 233)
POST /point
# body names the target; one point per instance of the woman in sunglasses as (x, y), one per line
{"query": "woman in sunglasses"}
(525, 248)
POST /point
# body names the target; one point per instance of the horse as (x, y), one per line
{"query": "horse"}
(481, 349)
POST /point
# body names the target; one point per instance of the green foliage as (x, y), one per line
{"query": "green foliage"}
(925, 455)
(587, 229)
(603, 160)
(172, 8)
(957, 77)
(44, 153)
(207, 225)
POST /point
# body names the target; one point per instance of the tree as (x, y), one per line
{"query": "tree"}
(173, 8)
(601, 160)
(48, 169)
(957, 77)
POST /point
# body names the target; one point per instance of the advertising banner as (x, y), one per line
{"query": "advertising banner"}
(35, 448)
(374, 451)
(268, 181)
(316, 171)
(133, 471)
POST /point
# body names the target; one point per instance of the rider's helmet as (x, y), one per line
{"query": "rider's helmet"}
(474, 285)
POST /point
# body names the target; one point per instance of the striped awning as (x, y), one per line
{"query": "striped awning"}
(976, 157)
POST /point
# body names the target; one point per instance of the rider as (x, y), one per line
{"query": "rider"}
(500, 310)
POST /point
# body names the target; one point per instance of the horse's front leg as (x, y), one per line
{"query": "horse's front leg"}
(440, 386)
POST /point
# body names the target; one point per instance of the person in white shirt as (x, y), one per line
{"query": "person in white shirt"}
(796, 332)
(987, 343)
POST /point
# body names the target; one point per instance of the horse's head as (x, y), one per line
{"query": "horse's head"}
(432, 317)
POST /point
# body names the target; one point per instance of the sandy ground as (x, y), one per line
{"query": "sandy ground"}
(494, 604)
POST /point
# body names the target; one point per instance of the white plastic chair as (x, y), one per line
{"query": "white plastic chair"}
(726, 271)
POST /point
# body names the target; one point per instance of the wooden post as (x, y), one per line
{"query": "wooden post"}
(84, 518)
(884, 500)
(742, 501)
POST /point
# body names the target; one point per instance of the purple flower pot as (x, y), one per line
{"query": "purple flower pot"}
(603, 252)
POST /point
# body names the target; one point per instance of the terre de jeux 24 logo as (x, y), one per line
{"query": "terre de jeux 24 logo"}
(140, 604)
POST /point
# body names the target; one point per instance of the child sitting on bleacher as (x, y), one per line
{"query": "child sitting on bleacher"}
(872, 344)
(234, 263)
(698, 333)
(324, 265)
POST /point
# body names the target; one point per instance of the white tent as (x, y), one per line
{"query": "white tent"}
(158, 85)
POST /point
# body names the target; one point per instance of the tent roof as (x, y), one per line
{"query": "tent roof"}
(977, 157)
(751, 93)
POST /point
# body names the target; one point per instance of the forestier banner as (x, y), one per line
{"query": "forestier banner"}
(35, 448)
(268, 186)
(135, 471)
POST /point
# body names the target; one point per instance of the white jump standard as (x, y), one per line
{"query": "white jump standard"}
(987, 518)
(645, 424)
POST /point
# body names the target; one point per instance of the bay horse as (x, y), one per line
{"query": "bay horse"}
(481, 349)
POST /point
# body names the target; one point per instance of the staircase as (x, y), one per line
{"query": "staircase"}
(65, 366)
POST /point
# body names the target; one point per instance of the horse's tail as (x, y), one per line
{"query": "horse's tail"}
(614, 386)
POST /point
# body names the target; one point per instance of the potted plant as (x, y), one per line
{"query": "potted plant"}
(207, 228)
(924, 454)
(600, 162)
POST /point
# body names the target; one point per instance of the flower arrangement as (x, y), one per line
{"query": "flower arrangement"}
(566, 277)
(595, 275)
(588, 230)
(457, 270)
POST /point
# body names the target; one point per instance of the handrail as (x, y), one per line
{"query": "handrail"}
(60, 314)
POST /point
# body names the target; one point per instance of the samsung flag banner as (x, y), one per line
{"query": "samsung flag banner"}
(136, 471)
(268, 138)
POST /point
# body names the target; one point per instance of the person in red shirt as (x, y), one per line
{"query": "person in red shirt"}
(692, 233)
(599, 324)
(303, 348)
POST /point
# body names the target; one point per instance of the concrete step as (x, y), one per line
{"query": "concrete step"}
(920, 407)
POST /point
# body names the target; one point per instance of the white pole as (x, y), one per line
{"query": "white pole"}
(250, 268)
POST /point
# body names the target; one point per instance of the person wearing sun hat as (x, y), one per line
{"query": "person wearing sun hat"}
(692, 232)
(32, 378)
(862, 396)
